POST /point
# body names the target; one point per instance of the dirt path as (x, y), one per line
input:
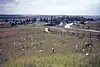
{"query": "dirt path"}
(68, 26)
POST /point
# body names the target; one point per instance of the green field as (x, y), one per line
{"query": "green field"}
(60, 60)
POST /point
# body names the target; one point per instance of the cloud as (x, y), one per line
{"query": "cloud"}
(95, 9)
(3, 2)
(7, 6)
(71, 7)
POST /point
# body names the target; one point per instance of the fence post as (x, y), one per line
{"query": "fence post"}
(67, 32)
(98, 36)
(77, 34)
(90, 35)
(64, 33)
(83, 35)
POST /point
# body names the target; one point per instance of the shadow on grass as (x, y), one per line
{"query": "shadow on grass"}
(95, 61)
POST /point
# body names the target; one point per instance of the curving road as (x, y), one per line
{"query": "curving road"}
(68, 26)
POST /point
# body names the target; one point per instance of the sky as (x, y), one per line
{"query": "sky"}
(50, 7)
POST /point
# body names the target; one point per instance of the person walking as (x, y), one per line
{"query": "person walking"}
(53, 50)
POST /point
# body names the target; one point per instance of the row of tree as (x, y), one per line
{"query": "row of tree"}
(15, 22)
(55, 20)
(65, 19)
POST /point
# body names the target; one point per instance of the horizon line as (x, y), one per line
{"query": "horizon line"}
(50, 14)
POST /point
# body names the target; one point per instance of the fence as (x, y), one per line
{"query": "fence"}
(79, 34)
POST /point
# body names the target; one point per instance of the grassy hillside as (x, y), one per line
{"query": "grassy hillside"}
(60, 60)
(33, 38)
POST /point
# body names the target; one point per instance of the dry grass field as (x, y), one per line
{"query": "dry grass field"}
(31, 40)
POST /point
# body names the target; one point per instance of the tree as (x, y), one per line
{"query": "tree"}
(90, 19)
(40, 19)
(46, 20)
(6, 20)
(82, 20)
(34, 19)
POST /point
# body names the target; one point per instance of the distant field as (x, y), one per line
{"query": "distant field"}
(90, 25)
